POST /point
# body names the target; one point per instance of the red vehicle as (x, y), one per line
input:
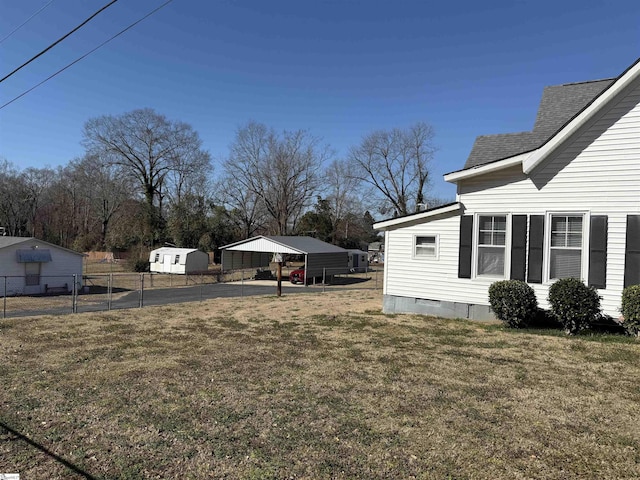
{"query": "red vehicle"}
(297, 276)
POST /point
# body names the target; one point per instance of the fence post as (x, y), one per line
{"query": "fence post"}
(109, 291)
(4, 299)
(201, 285)
(74, 294)
(141, 289)
(242, 282)
(324, 278)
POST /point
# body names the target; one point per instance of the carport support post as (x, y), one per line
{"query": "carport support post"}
(4, 299)
(279, 289)
(324, 279)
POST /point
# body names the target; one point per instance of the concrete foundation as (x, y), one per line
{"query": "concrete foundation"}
(439, 308)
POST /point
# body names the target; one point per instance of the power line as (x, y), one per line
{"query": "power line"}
(60, 39)
(86, 54)
(25, 22)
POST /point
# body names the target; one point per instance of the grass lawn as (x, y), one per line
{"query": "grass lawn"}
(315, 386)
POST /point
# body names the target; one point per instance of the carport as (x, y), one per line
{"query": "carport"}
(258, 252)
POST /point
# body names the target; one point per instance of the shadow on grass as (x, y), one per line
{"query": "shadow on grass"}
(48, 452)
(545, 323)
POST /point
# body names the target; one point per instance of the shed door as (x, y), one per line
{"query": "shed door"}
(166, 263)
(31, 277)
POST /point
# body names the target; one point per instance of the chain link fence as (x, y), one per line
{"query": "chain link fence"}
(25, 296)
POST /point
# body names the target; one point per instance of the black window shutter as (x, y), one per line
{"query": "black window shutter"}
(632, 252)
(598, 251)
(536, 248)
(466, 246)
(518, 247)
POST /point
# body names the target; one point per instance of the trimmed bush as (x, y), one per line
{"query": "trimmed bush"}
(631, 309)
(574, 304)
(513, 302)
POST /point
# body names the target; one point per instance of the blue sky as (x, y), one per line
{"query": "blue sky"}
(340, 69)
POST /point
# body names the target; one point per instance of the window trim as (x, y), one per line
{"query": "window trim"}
(476, 244)
(414, 247)
(584, 250)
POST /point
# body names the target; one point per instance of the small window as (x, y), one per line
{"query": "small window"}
(157, 258)
(492, 234)
(565, 247)
(177, 260)
(426, 247)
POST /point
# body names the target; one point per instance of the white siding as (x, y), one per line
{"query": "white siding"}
(430, 278)
(597, 172)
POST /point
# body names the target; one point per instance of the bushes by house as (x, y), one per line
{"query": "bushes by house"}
(575, 305)
(513, 302)
(630, 309)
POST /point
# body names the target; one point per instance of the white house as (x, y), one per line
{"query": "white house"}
(178, 260)
(561, 200)
(30, 266)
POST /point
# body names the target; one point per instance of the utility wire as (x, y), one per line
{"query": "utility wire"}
(25, 22)
(59, 40)
(86, 54)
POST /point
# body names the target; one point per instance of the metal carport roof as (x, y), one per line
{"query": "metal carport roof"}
(283, 244)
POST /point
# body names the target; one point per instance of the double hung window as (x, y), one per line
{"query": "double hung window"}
(565, 246)
(492, 234)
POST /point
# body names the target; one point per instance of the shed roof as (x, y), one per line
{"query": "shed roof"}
(174, 250)
(283, 244)
(7, 241)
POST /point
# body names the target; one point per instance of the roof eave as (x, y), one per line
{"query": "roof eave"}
(395, 222)
(455, 177)
(623, 81)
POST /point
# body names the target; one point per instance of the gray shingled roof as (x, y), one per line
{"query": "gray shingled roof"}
(8, 241)
(559, 104)
(306, 244)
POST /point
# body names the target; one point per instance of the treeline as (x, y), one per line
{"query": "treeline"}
(145, 180)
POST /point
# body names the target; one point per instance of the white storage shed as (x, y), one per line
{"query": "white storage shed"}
(29, 266)
(358, 260)
(178, 260)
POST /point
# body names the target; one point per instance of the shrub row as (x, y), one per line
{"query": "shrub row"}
(631, 309)
(573, 304)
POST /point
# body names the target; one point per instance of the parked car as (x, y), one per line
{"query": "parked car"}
(297, 276)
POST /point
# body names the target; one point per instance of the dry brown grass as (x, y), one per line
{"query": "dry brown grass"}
(311, 386)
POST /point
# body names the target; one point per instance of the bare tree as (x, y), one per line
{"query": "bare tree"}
(396, 164)
(342, 191)
(103, 188)
(14, 215)
(148, 147)
(246, 210)
(282, 171)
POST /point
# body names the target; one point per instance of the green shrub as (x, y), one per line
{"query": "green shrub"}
(514, 302)
(140, 265)
(575, 305)
(631, 309)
